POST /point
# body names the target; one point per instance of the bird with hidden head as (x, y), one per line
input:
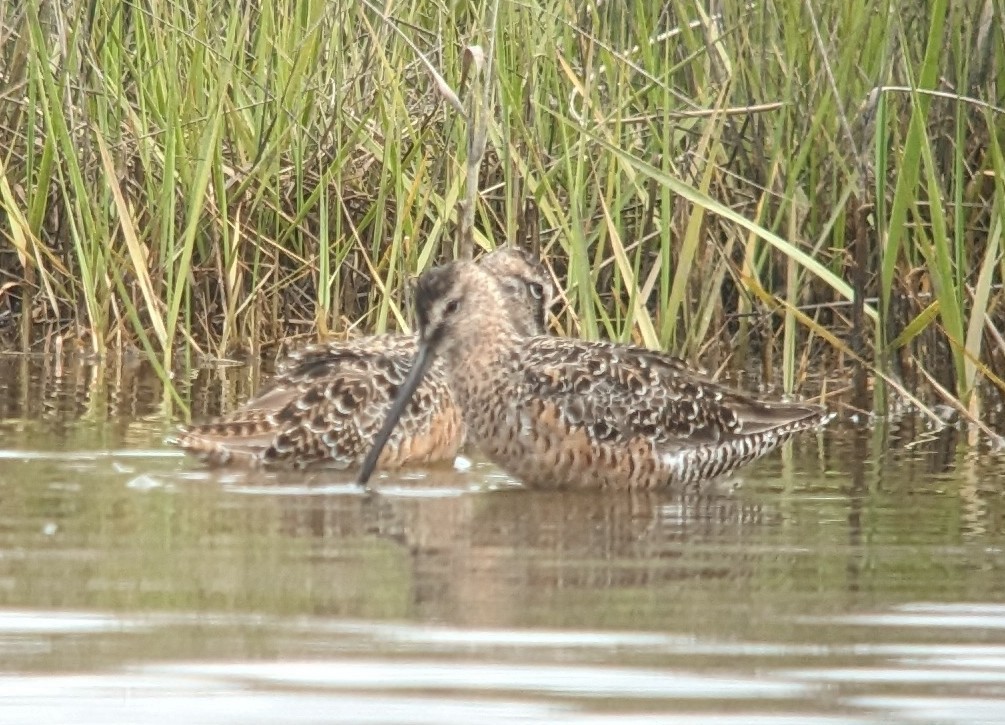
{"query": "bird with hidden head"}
(566, 413)
(327, 401)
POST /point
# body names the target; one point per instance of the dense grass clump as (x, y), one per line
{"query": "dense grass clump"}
(806, 184)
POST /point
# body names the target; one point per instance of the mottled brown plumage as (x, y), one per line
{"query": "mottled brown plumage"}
(327, 401)
(565, 413)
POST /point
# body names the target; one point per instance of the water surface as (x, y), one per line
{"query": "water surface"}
(856, 576)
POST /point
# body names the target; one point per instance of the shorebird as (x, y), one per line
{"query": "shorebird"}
(565, 413)
(327, 401)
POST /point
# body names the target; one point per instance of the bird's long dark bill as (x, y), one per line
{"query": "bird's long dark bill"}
(423, 359)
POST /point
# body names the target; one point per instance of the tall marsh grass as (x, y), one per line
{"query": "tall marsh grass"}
(815, 186)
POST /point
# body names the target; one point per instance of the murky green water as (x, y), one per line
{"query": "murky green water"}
(854, 578)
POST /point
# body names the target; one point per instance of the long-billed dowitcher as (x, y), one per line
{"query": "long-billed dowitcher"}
(565, 413)
(327, 401)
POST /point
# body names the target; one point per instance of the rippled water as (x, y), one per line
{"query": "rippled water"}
(854, 577)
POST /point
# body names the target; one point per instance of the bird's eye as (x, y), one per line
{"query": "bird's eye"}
(536, 290)
(452, 307)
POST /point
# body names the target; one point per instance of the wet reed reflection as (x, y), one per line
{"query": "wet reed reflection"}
(835, 556)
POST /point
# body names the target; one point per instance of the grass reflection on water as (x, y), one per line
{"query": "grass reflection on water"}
(97, 519)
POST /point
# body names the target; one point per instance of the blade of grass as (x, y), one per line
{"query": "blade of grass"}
(138, 254)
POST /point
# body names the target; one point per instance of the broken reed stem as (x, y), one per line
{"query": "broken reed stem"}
(477, 132)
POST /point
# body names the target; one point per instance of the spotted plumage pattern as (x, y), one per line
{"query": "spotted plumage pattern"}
(566, 413)
(327, 401)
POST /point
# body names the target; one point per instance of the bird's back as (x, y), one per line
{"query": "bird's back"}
(326, 403)
(567, 413)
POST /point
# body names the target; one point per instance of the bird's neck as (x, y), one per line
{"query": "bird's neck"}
(482, 369)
